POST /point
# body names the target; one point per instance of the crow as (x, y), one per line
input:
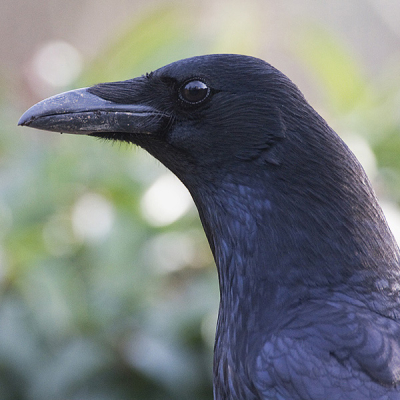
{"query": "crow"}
(308, 269)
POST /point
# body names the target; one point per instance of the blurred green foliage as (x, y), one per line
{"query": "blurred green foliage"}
(161, 31)
(93, 316)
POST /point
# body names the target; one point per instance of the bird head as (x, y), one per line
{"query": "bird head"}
(199, 115)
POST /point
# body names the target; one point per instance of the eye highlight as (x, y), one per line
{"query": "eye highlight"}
(194, 92)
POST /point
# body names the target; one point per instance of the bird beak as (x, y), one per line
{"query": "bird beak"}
(83, 113)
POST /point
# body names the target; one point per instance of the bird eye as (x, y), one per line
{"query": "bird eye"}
(194, 92)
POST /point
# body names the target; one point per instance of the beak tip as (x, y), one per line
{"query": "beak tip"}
(28, 117)
(23, 121)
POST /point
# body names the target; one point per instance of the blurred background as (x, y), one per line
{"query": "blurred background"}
(108, 289)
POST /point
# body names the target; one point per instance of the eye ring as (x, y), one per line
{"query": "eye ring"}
(194, 91)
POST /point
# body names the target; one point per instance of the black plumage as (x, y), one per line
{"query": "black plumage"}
(308, 268)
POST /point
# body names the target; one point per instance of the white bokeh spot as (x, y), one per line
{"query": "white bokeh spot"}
(92, 217)
(165, 201)
(57, 63)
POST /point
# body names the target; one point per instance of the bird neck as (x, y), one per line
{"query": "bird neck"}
(237, 219)
(274, 245)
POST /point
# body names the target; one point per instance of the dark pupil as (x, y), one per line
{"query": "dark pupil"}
(195, 91)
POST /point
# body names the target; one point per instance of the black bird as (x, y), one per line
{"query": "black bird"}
(308, 269)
